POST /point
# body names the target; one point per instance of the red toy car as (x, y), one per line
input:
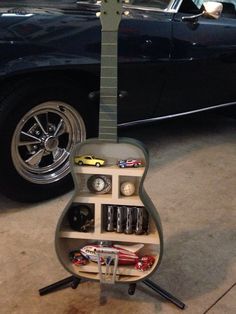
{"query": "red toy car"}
(145, 263)
(130, 163)
(77, 258)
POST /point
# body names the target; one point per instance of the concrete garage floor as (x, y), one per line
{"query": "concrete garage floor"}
(192, 181)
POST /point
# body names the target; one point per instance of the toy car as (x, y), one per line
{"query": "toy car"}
(77, 258)
(89, 160)
(130, 163)
(145, 263)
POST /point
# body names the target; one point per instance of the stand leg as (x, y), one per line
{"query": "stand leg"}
(164, 293)
(72, 280)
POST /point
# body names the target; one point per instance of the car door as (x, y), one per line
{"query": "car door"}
(202, 68)
(144, 53)
(221, 57)
(187, 88)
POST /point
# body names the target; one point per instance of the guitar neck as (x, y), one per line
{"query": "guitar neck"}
(108, 87)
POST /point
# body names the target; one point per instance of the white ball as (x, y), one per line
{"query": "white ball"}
(127, 188)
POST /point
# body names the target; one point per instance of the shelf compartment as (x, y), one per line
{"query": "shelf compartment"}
(110, 170)
(128, 179)
(85, 187)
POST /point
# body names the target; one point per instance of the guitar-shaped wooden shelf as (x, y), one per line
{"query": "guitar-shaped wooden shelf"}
(111, 148)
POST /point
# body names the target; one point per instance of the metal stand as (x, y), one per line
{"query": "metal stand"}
(73, 282)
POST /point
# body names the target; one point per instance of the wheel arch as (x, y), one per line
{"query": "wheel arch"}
(89, 80)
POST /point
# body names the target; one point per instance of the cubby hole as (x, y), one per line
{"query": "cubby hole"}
(128, 186)
(91, 268)
(80, 217)
(125, 220)
(94, 184)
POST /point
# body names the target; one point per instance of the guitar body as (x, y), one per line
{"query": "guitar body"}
(110, 231)
(100, 231)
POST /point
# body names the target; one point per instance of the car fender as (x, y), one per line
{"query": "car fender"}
(46, 62)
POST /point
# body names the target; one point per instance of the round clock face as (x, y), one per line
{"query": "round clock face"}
(99, 184)
(127, 188)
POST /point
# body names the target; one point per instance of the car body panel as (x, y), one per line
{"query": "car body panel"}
(167, 66)
(203, 65)
(56, 40)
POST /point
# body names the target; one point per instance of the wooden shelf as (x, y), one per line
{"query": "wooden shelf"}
(109, 170)
(151, 238)
(87, 197)
(133, 200)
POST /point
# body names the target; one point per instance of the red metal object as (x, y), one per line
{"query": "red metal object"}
(145, 263)
(125, 257)
(78, 259)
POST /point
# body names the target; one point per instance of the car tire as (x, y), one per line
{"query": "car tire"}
(34, 162)
(97, 164)
(80, 163)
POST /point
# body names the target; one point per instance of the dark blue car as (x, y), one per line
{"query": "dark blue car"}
(173, 60)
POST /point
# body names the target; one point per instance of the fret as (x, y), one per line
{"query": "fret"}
(105, 96)
(108, 73)
(108, 101)
(105, 107)
(112, 94)
(108, 137)
(107, 81)
(108, 114)
(109, 134)
(107, 122)
(108, 127)
(102, 87)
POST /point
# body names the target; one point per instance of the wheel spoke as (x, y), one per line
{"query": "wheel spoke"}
(58, 153)
(40, 125)
(25, 143)
(37, 140)
(36, 158)
(60, 124)
(47, 122)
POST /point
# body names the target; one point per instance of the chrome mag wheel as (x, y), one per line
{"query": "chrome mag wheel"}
(43, 141)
